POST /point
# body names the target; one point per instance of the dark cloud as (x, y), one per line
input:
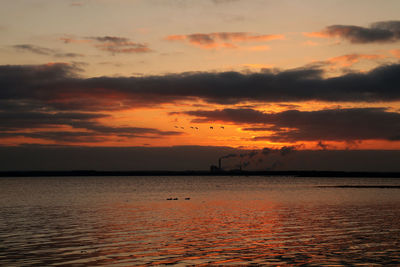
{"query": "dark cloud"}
(34, 49)
(113, 44)
(45, 51)
(129, 47)
(11, 120)
(27, 122)
(246, 116)
(59, 86)
(331, 124)
(222, 39)
(122, 131)
(58, 136)
(67, 55)
(29, 118)
(112, 39)
(29, 110)
(384, 31)
(34, 99)
(116, 44)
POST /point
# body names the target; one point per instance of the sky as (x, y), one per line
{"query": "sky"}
(247, 75)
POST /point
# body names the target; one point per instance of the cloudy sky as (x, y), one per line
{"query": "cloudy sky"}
(249, 74)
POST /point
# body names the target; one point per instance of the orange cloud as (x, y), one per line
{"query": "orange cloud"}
(395, 52)
(349, 60)
(321, 34)
(175, 37)
(124, 47)
(258, 66)
(310, 43)
(223, 39)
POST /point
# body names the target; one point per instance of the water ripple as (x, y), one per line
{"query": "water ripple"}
(231, 227)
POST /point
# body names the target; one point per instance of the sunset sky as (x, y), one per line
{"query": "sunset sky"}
(249, 74)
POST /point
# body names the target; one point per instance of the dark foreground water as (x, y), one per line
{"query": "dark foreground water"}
(125, 221)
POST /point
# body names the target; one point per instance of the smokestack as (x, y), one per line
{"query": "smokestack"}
(219, 163)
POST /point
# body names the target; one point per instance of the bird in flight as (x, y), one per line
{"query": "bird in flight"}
(222, 127)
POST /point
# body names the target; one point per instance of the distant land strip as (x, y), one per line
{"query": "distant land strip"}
(200, 173)
(361, 186)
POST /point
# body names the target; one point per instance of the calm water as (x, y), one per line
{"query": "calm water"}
(125, 221)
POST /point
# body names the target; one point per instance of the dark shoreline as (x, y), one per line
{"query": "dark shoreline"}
(200, 173)
(361, 186)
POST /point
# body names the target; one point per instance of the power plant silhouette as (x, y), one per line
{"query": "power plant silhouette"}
(214, 168)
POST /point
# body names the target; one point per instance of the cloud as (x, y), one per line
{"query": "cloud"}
(395, 52)
(71, 137)
(257, 66)
(328, 125)
(113, 44)
(26, 110)
(224, 39)
(111, 39)
(378, 32)
(310, 43)
(34, 122)
(71, 40)
(351, 59)
(44, 51)
(12, 120)
(344, 62)
(58, 136)
(124, 131)
(257, 48)
(59, 86)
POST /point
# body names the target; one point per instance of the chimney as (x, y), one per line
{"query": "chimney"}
(219, 163)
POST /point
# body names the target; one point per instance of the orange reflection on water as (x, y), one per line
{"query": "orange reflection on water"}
(198, 231)
(232, 231)
(232, 220)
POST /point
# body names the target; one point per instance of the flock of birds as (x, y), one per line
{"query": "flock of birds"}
(197, 128)
(175, 198)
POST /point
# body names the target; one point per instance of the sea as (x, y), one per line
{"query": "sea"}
(199, 220)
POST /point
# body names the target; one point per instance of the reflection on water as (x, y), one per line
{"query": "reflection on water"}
(126, 221)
